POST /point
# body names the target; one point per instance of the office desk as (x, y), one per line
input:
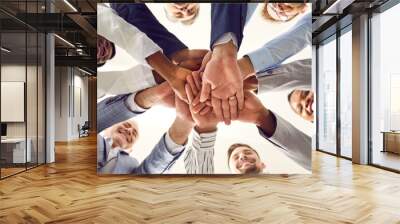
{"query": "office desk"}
(13, 150)
(391, 141)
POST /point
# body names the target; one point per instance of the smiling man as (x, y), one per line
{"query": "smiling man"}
(282, 12)
(123, 135)
(302, 102)
(243, 159)
(114, 146)
(185, 13)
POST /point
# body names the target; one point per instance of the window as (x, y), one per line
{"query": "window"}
(327, 96)
(385, 89)
(346, 75)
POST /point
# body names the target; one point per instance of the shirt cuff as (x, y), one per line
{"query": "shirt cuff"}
(261, 59)
(132, 105)
(279, 134)
(225, 38)
(204, 141)
(172, 147)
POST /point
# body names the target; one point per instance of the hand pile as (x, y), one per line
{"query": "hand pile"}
(211, 84)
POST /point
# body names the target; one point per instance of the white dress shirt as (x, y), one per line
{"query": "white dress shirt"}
(121, 82)
(124, 35)
(136, 44)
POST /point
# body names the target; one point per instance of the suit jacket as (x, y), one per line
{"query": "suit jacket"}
(294, 75)
(119, 162)
(141, 17)
(227, 18)
(113, 110)
(290, 76)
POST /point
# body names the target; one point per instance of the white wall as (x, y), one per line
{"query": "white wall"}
(68, 81)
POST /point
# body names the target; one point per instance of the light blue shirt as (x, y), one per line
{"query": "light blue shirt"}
(283, 46)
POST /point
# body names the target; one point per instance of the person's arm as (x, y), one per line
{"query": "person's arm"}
(284, 46)
(294, 75)
(281, 133)
(141, 17)
(294, 142)
(167, 150)
(121, 33)
(227, 23)
(199, 157)
(171, 145)
(122, 82)
(113, 110)
(118, 108)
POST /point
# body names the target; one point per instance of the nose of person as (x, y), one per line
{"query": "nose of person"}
(303, 103)
(242, 157)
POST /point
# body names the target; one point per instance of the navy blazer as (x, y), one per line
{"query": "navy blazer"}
(141, 17)
(227, 17)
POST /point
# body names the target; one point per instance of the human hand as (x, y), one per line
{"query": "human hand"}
(168, 99)
(178, 81)
(182, 110)
(161, 93)
(195, 56)
(253, 108)
(193, 89)
(223, 83)
(202, 115)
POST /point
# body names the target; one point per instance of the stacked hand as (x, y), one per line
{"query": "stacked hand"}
(222, 82)
(215, 91)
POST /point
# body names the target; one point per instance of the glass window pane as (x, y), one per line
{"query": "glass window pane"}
(327, 97)
(385, 89)
(31, 97)
(346, 94)
(13, 87)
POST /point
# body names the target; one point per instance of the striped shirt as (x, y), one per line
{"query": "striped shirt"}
(199, 157)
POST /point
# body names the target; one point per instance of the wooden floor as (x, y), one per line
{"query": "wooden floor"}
(69, 191)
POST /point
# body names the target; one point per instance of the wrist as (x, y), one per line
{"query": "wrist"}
(266, 120)
(225, 50)
(246, 67)
(162, 65)
(141, 100)
(205, 129)
(180, 130)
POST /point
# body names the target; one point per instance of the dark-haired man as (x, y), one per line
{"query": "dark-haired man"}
(243, 159)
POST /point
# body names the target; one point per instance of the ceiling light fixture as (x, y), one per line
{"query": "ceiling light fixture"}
(70, 5)
(64, 40)
(5, 50)
(337, 7)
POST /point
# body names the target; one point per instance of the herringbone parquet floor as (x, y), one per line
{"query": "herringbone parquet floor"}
(69, 191)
